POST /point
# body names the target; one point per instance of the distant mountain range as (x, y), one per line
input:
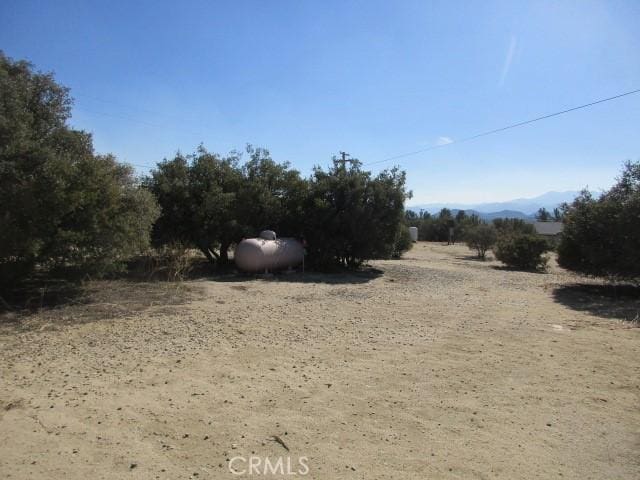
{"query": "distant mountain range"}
(524, 208)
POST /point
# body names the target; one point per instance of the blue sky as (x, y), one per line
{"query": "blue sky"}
(309, 78)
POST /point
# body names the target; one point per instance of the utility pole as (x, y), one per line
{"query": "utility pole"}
(343, 160)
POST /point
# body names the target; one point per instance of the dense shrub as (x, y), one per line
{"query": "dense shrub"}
(403, 242)
(435, 228)
(510, 226)
(481, 238)
(601, 237)
(198, 199)
(346, 215)
(61, 205)
(351, 216)
(211, 202)
(171, 261)
(522, 251)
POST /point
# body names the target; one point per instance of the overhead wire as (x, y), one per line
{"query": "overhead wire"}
(501, 129)
(410, 153)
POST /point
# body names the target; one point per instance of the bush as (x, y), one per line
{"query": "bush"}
(61, 205)
(403, 242)
(346, 215)
(171, 262)
(351, 216)
(522, 251)
(508, 226)
(211, 202)
(435, 228)
(601, 237)
(481, 238)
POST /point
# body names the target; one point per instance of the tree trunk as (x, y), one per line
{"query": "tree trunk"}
(211, 256)
(224, 253)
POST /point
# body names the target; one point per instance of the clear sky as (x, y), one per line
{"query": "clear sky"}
(309, 78)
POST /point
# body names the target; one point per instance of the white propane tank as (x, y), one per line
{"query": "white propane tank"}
(267, 235)
(413, 232)
(259, 254)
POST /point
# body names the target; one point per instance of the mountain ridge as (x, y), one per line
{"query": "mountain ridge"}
(516, 208)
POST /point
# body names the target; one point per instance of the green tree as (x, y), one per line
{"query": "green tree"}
(198, 196)
(601, 236)
(60, 204)
(214, 184)
(411, 215)
(402, 243)
(461, 216)
(481, 238)
(351, 216)
(211, 202)
(460, 224)
(271, 196)
(557, 214)
(542, 215)
(444, 224)
(508, 226)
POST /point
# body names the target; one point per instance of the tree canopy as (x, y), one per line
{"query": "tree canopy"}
(60, 203)
(346, 215)
(601, 236)
(63, 205)
(351, 216)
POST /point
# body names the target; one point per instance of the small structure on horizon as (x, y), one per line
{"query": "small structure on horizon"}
(550, 230)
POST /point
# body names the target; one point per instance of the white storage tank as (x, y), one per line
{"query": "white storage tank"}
(260, 254)
(413, 232)
(267, 235)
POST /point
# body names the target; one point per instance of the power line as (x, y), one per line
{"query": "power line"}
(119, 116)
(141, 122)
(490, 132)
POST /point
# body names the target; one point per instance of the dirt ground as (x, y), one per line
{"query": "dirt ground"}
(434, 366)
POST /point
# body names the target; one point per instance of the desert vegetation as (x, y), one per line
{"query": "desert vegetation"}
(70, 211)
(601, 235)
(523, 251)
(61, 205)
(481, 238)
(65, 208)
(513, 241)
(372, 363)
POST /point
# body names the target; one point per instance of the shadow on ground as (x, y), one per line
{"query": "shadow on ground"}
(65, 302)
(505, 268)
(621, 302)
(76, 300)
(363, 275)
(474, 258)
(39, 293)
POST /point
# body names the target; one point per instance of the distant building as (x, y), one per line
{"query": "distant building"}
(548, 229)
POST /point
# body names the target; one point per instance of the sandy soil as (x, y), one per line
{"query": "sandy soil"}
(440, 366)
